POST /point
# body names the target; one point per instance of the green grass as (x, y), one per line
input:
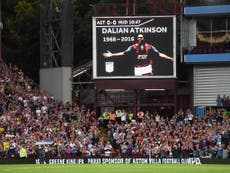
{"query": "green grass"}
(115, 168)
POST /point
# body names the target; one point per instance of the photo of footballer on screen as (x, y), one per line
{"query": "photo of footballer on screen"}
(144, 60)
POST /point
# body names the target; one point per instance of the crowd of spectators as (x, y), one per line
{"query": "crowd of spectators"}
(34, 124)
(183, 135)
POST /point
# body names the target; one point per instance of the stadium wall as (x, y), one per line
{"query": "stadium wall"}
(57, 81)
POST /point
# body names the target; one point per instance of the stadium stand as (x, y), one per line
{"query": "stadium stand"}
(33, 119)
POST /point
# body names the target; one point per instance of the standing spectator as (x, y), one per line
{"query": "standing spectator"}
(108, 149)
(218, 100)
(41, 155)
(123, 116)
(12, 149)
(124, 149)
(219, 153)
(23, 152)
(130, 148)
(6, 146)
(140, 116)
(225, 100)
(130, 116)
(118, 113)
(100, 121)
(112, 117)
(98, 150)
(157, 119)
(106, 118)
(190, 116)
(1, 151)
(228, 149)
(180, 117)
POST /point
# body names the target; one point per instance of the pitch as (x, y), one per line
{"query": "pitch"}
(115, 168)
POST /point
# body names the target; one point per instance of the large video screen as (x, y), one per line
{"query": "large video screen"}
(134, 47)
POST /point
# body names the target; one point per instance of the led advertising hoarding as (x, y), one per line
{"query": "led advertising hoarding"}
(134, 47)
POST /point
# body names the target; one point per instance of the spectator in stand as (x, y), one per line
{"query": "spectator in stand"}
(41, 155)
(130, 148)
(118, 113)
(23, 152)
(130, 116)
(12, 149)
(106, 115)
(219, 153)
(124, 149)
(123, 116)
(228, 150)
(30, 115)
(140, 116)
(108, 149)
(5, 146)
(157, 119)
(189, 116)
(180, 116)
(1, 151)
(226, 100)
(112, 117)
(219, 101)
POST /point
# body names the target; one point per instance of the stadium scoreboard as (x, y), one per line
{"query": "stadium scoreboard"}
(117, 34)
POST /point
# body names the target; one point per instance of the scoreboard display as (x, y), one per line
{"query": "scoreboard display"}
(134, 47)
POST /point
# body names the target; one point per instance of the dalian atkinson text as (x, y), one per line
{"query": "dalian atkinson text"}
(118, 30)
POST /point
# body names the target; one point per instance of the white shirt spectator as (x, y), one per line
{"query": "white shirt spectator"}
(44, 109)
(108, 149)
(123, 117)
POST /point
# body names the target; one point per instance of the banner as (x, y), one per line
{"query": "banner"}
(195, 161)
